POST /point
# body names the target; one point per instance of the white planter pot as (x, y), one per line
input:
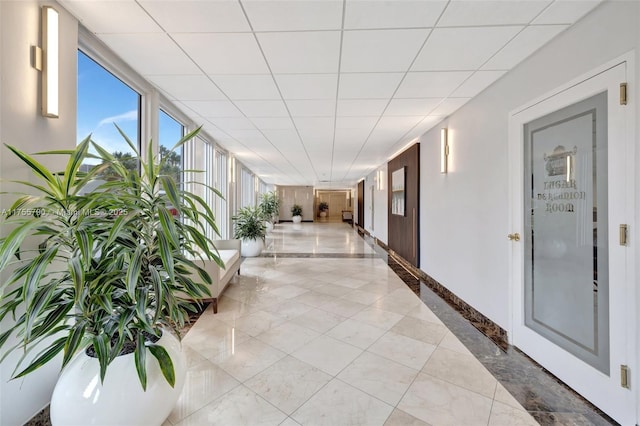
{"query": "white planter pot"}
(251, 248)
(297, 219)
(268, 225)
(323, 213)
(80, 399)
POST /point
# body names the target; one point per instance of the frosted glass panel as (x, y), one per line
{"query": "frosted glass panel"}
(566, 248)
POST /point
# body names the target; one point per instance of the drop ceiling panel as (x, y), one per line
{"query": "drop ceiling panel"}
(151, 54)
(214, 108)
(307, 86)
(450, 105)
(431, 84)
(109, 17)
(187, 87)
(565, 11)
(498, 12)
(355, 107)
(405, 107)
(392, 14)
(232, 123)
(368, 85)
(352, 137)
(224, 53)
(364, 123)
(462, 48)
(527, 42)
(242, 87)
(197, 16)
(283, 137)
(270, 123)
(479, 81)
(319, 124)
(263, 108)
(294, 15)
(301, 52)
(311, 108)
(380, 50)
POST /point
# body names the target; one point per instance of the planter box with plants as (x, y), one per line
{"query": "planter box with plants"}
(248, 226)
(268, 208)
(296, 213)
(95, 280)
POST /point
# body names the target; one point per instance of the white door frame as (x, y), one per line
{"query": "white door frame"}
(631, 305)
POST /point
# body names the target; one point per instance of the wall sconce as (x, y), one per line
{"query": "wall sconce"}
(444, 150)
(380, 180)
(232, 169)
(46, 59)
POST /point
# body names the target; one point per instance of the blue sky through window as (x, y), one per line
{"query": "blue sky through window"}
(103, 100)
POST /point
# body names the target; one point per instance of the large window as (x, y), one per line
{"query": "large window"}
(247, 188)
(170, 131)
(103, 99)
(221, 183)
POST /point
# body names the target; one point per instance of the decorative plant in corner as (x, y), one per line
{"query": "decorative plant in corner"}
(323, 207)
(269, 207)
(296, 213)
(107, 271)
(248, 226)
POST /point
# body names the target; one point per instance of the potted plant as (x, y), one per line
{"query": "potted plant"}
(296, 213)
(249, 227)
(102, 286)
(269, 207)
(323, 207)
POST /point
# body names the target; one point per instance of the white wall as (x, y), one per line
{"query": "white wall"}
(378, 227)
(24, 127)
(465, 213)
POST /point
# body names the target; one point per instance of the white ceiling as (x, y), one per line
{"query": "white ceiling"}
(321, 92)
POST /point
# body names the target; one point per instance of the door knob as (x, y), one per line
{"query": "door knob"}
(514, 237)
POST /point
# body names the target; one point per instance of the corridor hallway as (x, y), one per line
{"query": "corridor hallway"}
(321, 331)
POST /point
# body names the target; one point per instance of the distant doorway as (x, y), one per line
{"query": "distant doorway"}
(338, 200)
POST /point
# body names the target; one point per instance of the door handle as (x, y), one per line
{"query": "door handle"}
(514, 237)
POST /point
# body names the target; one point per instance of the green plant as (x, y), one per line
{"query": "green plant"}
(110, 263)
(323, 206)
(269, 206)
(296, 210)
(249, 224)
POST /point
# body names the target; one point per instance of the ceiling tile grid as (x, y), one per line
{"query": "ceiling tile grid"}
(321, 92)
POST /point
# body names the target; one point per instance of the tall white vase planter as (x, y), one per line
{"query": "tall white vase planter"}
(80, 399)
(251, 247)
(297, 219)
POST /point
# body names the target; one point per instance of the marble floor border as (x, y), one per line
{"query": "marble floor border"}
(549, 400)
(321, 255)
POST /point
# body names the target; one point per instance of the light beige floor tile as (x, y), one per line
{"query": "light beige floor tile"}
(378, 317)
(340, 404)
(351, 282)
(505, 415)
(356, 333)
(241, 406)
(362, 296)
(313, 298)
(319, 320)
(290, 422)
(332, 290)
(288, 336)
(343, 307)
(258, 323)
(502, 395)
(328, 354)
(203, 383)
(287, 291)
(451, 342)
(425, 331)
(422, 312)
(213, 340)
(379, 377)
(288, 383)
(462, 370)
(400, 418)
(405, 350)
(288, 309)
(400, 301)
(441, 403)
(248, 359)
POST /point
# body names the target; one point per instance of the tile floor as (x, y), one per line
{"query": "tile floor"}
(321, 331)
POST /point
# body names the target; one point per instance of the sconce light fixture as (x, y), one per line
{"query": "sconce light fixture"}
(569, 168)
(47, 61)
(444, 150)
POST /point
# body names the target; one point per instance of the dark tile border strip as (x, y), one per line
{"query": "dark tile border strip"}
(322, 255)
